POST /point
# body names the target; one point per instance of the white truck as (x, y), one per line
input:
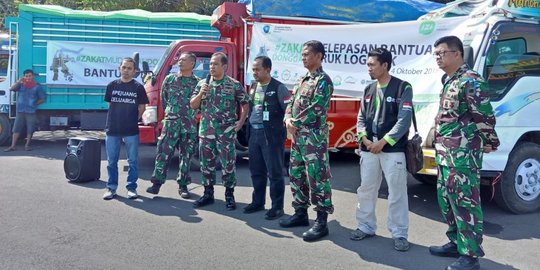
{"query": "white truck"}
(502, 42)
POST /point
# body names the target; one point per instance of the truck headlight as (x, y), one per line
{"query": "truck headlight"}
(149, 115)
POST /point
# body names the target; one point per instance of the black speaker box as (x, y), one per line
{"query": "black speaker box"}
(82, 162)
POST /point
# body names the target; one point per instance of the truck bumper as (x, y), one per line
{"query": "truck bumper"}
(147, 134)
(430, 167)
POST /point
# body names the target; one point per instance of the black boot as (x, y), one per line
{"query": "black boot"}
(229, 199)
(207, 198)
(154, 189)
(300, 218)
(319, 229)
(447, 250)
(465, 263)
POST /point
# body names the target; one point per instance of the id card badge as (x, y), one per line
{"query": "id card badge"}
(266, 116)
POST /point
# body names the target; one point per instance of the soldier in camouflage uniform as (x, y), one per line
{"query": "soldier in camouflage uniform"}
(464, 131)
(218, 99)
(179, 126)
(305, 120)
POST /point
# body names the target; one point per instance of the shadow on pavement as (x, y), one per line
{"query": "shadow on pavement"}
(345, 171)
(162, 206)
(370, 250)
(100, 184)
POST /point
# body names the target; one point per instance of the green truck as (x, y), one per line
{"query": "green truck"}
(75, 54)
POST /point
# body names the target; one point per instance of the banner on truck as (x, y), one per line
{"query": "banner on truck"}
(92, 64)
(347, 47)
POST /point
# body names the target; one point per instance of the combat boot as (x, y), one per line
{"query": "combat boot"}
(207, 198)
(154, 189)
(319, 229)
(465, 263)
(230, 203)
(300, 218)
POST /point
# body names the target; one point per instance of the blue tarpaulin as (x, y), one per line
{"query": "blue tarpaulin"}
(343, 10)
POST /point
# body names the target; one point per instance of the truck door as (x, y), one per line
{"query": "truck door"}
(512, 71)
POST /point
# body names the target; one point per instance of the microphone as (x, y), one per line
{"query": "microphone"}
(207, 82)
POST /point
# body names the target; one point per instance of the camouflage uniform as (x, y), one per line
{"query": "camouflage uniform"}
(464, 125)
(309, 167)
(216, 129)
(179, 128)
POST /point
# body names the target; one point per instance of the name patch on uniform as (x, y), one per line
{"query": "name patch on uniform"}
(271, 93)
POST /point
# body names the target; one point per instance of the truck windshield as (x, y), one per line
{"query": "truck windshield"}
(164, 57)
(4, 57)
(202, 67)
(514, 53)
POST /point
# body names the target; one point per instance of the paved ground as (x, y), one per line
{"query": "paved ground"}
(48, 223)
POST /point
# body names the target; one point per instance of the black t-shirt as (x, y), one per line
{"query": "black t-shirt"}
(123, 115)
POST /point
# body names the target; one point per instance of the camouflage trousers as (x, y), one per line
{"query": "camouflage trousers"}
(458, 193)
(172, 136)
(219, 146)
(310, 171)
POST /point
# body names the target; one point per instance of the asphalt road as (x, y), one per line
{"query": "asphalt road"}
(47, 222)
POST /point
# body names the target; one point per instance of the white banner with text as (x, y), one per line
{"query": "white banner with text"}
(93, 64)
(347, 48)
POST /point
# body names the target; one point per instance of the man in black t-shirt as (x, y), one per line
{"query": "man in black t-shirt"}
(127, 99)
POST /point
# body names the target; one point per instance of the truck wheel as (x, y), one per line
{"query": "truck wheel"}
(519, 188)
(426, 179)
(5, 129)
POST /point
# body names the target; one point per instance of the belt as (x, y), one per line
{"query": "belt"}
(257, 126)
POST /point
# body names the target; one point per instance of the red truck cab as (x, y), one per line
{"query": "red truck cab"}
(234, 24)
(151, 127)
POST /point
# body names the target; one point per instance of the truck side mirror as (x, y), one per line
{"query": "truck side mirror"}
(147, 74)
(137, 69)
(468, 56)
(145, 66)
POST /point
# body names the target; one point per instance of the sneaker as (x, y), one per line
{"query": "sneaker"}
(401, 244)
(132, 194)
(109, 194)
(183, 191)
(358, 235)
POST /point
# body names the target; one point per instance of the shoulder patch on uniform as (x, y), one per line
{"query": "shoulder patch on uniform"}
(233, 79)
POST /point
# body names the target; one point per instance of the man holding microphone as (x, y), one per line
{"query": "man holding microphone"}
(217, 98)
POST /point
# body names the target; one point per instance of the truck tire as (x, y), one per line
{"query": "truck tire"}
(519, 188)
(426, 179)
(5, 129)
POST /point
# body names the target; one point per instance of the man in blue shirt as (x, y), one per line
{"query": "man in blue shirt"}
(30, 95)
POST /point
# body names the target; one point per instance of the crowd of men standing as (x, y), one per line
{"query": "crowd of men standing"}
(464, 131)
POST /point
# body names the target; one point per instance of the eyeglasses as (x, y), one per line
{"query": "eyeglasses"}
(441, 53)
